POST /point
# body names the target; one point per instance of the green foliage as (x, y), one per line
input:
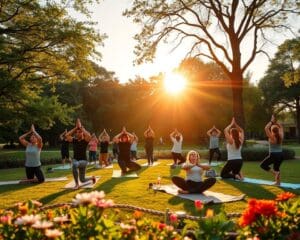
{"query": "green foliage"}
(41, 45)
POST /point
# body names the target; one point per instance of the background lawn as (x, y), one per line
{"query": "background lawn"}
(134, 191)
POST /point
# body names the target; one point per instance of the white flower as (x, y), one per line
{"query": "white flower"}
(97, 195)
(61, 219)
(83, 198)
(42, 224)
(53, 233)
(27, 219)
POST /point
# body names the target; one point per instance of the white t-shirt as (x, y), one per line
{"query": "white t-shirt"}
(177, 145)
(133, 146)
(233, 153)
(194, 174)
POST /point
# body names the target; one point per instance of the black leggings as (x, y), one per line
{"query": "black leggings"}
(125, 163)
(149, 153)
(274, 158)
(179, 157)
(232, 168)
(35, 171)
(211, 153)
(191, 186)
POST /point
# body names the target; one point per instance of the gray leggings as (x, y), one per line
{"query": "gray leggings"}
(79, 166)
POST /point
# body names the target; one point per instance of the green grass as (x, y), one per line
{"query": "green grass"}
(134, 191)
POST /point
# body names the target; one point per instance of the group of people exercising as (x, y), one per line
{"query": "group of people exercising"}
(125, 147)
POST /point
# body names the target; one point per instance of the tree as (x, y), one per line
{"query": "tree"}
(279, 95)
(40, 46)
(215, 29)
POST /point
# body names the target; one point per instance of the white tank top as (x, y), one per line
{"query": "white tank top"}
(233, 153)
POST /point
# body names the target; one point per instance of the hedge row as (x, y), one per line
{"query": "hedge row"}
(16, 159)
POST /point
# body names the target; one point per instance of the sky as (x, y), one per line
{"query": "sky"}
(117, 53)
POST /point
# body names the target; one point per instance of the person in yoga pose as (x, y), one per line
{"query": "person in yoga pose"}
(149, 139)
(80, 142)
(176, 138)
(274, 132)
(214, 135)
(64, 149)
(33, 155)
(124, 140)
(93, 145)
(133, 147)
(194, 169)
(104, 143)
(234, 135)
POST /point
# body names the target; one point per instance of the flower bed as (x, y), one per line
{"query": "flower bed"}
(87, 218)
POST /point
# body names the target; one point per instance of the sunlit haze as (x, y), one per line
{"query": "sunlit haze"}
(174, 83)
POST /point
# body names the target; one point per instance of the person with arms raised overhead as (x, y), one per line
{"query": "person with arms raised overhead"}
(214, 135)
(80, 138)
(177, 138)
(149, 139)
(234, 135)
(33, 156)
(274, 132)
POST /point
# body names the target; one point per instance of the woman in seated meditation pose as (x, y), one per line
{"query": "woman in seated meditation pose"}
(234, 135)
(33, 155)
(193, 182)
(274, 132)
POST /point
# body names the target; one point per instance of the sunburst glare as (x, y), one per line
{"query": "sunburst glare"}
(174, 83)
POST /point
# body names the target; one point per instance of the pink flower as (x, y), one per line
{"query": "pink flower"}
(27, 219)
(42, 225)
(5, 219)
(173, 218)
(198, 204)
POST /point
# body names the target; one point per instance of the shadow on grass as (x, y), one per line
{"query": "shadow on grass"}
(251, 190)
(49, 198)
(15, 187)
(109, 184)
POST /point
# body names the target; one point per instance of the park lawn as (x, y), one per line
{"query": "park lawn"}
(134, 191)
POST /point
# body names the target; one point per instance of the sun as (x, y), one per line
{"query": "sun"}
(174, 83)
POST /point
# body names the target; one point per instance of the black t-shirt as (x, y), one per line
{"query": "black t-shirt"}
(79, 149)
(104, 147)
(64, 146)
(149, 142)
(124, 149)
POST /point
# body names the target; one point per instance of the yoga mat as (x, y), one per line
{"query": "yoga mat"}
(63, 167)
(117, 174)
(266, 182)
(46, 180)
(205, 197)
(88, 184)
(154, 164)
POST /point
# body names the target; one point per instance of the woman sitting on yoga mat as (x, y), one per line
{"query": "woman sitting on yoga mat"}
(193, 182)
(234, 135)
(274, 132)
(124, 140)
(33, 155)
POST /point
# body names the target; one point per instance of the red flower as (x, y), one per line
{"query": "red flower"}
(284, 196)
(173, 218)
(161, 226)
(198, 204)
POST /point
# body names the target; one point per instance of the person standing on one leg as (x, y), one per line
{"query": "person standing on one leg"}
(80, 142)
(149, 139)
(133, 147)
(194, 170)
(124, 140)
(104, 143)
(176, 138)
(234, 135)
(64, 149)
(274, 132)
(214, 135)
(33, 156)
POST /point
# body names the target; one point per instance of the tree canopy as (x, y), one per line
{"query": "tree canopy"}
(42, 45)
(230, 33)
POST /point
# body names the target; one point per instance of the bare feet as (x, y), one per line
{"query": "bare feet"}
(277, 178)
(182, 191)
(237, 177)
(76, 187)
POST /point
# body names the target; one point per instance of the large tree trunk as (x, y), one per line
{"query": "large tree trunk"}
(237, 99)
(298, 117)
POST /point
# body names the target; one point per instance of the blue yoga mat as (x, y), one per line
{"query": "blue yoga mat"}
(266, 182)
